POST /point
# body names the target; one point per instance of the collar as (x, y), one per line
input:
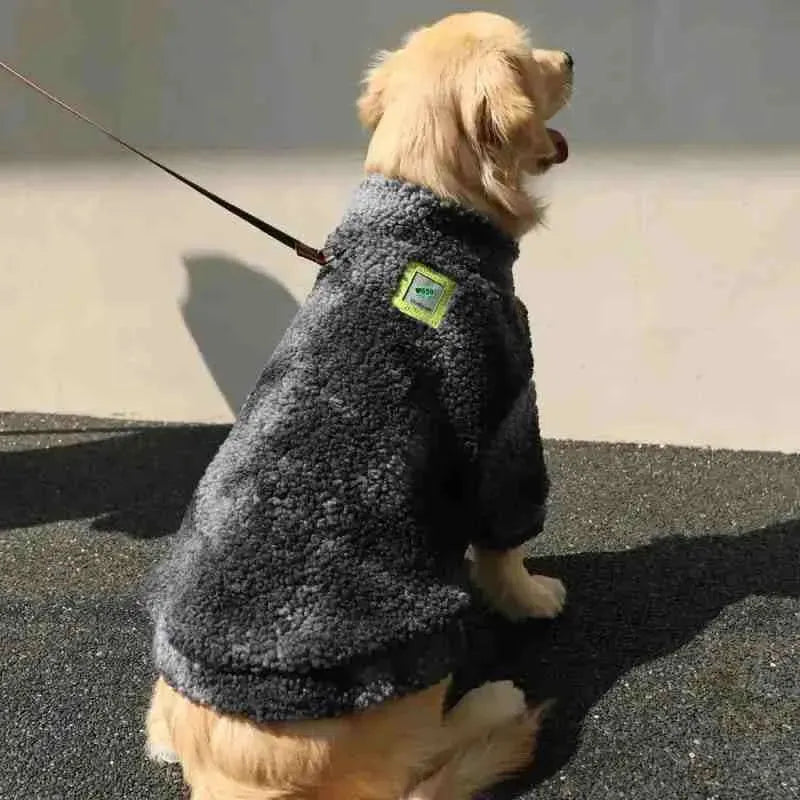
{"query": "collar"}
(417, 221)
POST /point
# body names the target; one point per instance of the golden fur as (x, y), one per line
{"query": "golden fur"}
(460, 109)
(386, 753)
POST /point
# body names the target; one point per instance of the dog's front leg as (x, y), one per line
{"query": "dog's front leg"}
(503, 579)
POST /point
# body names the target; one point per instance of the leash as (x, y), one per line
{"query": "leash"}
(301, 249)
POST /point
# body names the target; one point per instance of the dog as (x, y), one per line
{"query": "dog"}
(297, 659)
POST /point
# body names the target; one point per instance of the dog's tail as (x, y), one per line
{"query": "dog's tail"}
(482, 762)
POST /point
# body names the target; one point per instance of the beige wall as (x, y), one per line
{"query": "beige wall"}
(663, 296)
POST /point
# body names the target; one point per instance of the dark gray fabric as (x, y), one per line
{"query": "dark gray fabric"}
(319, 568)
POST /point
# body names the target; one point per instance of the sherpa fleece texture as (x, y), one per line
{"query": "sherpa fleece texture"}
(320, 565)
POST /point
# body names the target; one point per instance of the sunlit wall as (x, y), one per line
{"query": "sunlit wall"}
(663, 294)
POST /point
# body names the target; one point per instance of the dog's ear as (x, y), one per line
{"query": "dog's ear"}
(501, 121)
(371, 102)
(495, 106)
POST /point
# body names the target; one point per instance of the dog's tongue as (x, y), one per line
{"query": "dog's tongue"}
(560, 143)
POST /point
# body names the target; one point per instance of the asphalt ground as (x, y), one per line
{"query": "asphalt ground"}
(675, 665)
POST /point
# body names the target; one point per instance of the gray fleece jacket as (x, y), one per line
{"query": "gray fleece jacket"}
(319, 568)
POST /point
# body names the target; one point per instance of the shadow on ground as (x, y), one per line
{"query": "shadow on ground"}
(236, 315)
(138, 482)
(629, 608)
(635, 605)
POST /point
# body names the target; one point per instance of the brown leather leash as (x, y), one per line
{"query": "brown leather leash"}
(302, 250)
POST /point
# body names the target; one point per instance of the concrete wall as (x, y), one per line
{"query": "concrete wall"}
(663, 296)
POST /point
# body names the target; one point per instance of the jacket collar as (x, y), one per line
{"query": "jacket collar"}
(416, 220)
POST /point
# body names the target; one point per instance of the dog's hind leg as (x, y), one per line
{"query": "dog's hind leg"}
(485, 757)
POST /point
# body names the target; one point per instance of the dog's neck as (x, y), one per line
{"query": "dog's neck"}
(495, 191)
(425, 226)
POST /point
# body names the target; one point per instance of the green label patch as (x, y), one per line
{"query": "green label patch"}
(424, 294)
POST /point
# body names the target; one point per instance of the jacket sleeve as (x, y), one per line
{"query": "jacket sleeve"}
(512, 481)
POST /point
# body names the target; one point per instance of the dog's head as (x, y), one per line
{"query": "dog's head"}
(461, 108)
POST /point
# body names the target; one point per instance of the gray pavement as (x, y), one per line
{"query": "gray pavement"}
(675, 665)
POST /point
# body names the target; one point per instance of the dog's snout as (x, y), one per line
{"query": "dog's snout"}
(570, 61)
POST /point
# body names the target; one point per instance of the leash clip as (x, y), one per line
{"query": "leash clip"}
(312, 254)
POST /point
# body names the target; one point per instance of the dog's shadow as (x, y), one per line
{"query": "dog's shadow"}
(236, 315)
(135, 481)
(626, 609)
(139, 480)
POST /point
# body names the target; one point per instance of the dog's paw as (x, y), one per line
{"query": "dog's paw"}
(542, 597)
(487, 706)
(505, 582)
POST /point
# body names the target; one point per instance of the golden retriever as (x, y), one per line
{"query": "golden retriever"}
(460, 108)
